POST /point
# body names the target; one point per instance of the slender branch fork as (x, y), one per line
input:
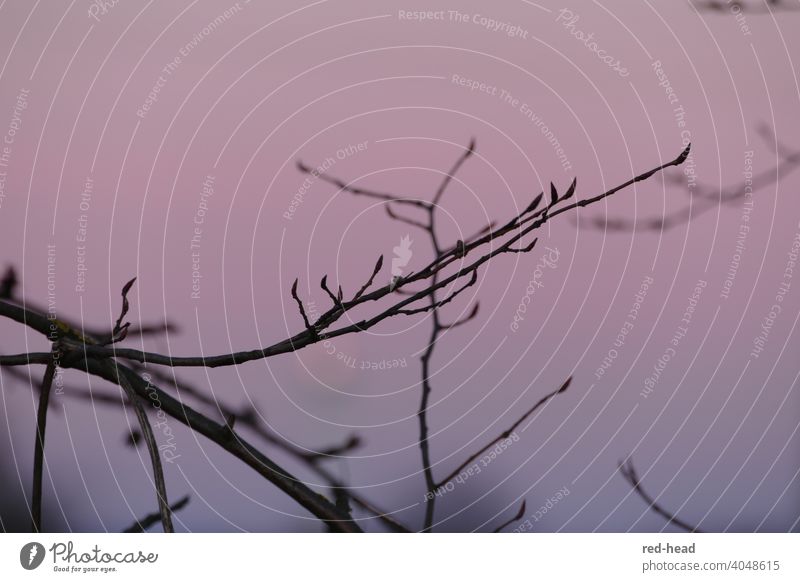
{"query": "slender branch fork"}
(97, 354)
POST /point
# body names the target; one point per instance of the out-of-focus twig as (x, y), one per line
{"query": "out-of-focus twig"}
(151, 519)
(736, 7)
(519, 515)
(628, 471)
(38, 451)
(705, 197)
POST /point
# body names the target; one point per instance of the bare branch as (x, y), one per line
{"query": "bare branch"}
(25, 359)
(360, 191)
(100, 360)
(353, 442)
(8, 285)
(120, 329)
(506, 433)
(38, 451)
(311, 335)
(249, 419)
(519, 515)
(628, 471)
(525, 249)
(151, 519)
(754, 7)
(707, 197)
(375, 271)
(405, 220)
(149, 439)
(468, 151)
(313, 461)
(337, 299)
(445, 301)
(472, 314)
(481, 232)
(219, 434)
(300, 306)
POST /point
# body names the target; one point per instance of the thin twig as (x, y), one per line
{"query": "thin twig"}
(519, 515)
(300, 306)
(151, 519)
(628, 471)
(365, 286)
(469, 317)
(97, 359)
(448, 177)
(38, 451)
(706, 197)
(403, 219)
(311, 334)
(150, 440)
(234, 444)
(121, 329)
(765, 7)
(217, 433)
(506, 433)
(361, 191)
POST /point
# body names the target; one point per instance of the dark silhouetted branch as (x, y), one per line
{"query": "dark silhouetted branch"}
(151, 519)
(448, 177)
(120, 330)
(469, 317)
(629, 473)
(706, 197)
(522, 225)
(38, 452)
(519, 515)
(216, 432)
(8, 285)
(150, 440)
(409, 221)
(85, 351)
(300, 306)
(506, 433)
(749, 7)
(360, 191)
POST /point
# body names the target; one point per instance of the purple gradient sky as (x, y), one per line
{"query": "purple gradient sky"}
(716, 439)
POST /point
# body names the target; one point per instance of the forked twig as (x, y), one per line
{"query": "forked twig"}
(99, 359)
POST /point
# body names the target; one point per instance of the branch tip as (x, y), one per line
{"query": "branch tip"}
(684, 154)
(535, 204)
(571, 190)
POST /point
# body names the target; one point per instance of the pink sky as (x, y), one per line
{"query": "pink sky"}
(191, 115)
